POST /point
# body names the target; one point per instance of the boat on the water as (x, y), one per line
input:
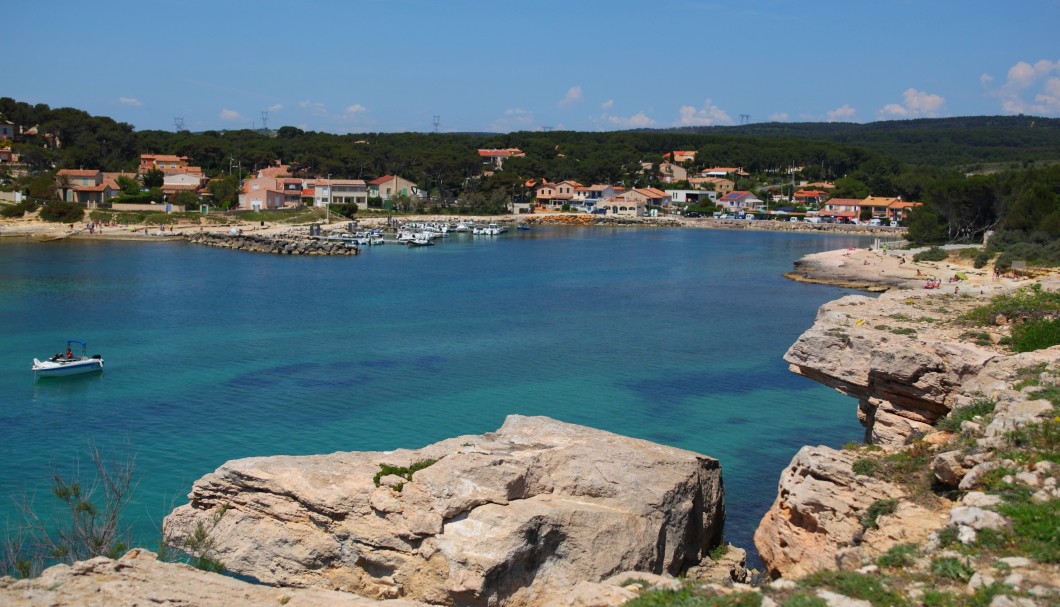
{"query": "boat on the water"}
(69, 363)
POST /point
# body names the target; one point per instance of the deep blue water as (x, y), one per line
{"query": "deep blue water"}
(672, 335)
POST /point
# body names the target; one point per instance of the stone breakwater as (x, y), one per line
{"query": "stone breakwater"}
(275, 244)
(520, 516)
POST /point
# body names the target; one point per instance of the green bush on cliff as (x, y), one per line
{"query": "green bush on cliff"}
(1036, 335)
(402, 471)
(855, 585)
(691, 596)
(978, 408)
(876, 510)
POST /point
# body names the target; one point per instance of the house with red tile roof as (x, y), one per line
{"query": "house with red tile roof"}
(680, 156)
(340, 191)
(722, 172)
(810, 197)
(740, 200)
(87, 187)
(670, 172)
(899, 209)
(167, 163)
(721, 185)
(842, 207)
(391, 186)
(496, 157)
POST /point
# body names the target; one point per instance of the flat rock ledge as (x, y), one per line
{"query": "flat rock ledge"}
(905, 361)
(277, 245)
(139, 578)
(518, 517)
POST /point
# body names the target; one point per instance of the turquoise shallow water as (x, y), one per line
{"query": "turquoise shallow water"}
(672, 335)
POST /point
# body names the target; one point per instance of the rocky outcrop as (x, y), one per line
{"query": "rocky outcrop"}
(277, 245)
(512, 517)
(139, 578)
(909, 362)
(891, 354)
(816, 521)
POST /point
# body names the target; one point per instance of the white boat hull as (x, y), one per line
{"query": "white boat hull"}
(60, 368)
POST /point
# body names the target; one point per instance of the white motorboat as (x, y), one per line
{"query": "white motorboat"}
(68, 364)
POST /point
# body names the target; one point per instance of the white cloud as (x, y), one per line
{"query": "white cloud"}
(275, 107)
(779, 117)
(231, 115)
(986, 79)
(844, 113)
(708, 115)
(1039, 81)
(515, 119)
(915, 104)
(610, 103)
(130, 101)
(314, 106)
(636, 121)
(574, 95)
(355, 108)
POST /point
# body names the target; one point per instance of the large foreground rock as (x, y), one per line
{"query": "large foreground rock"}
(511, 517)
(138, 578)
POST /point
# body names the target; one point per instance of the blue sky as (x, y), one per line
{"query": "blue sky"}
(345, 66)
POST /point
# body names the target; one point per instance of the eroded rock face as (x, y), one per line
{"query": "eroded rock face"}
(816, 517)
(891, 354)
(138, 578)
(509, 518)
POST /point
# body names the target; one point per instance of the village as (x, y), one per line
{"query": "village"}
(709, 192)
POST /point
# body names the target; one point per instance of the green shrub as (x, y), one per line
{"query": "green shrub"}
(932, 254)
(692, 597)
(866, 467)
(805, 600)
(952, 422)
(876, 510)
(951, 568)
(899, 555)
(62, 212)
(1023, 303)
(1035, 335)
(981, 258)
(855, 585)
(404, 472)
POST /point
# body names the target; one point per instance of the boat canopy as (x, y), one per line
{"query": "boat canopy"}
(76, 341)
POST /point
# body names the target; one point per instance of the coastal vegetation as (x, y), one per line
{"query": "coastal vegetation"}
(1033, 312)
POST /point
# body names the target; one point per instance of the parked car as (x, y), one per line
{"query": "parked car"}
(692, 214)
(599, 211)
(794, 220)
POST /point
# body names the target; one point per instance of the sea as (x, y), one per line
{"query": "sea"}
(673, 335)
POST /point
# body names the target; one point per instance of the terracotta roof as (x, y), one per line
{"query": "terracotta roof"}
(78, 172)
(162, 157)
(381, 180)
(901, 204)
(506, 152)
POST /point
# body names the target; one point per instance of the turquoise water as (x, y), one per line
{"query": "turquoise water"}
(672, 335)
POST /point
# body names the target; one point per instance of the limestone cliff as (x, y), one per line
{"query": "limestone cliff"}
(910, 362)
(512, 517)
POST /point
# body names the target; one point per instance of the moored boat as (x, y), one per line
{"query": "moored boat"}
(60, 365)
